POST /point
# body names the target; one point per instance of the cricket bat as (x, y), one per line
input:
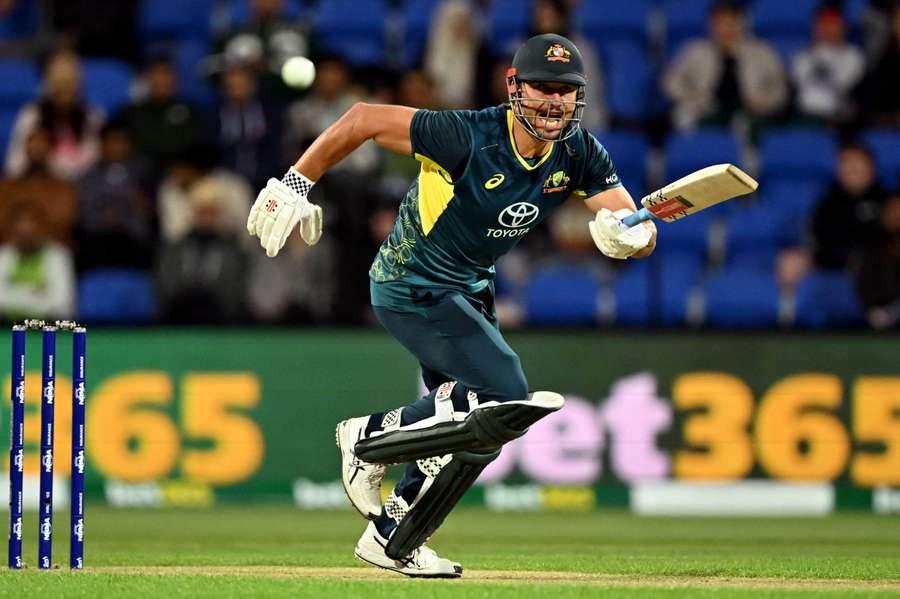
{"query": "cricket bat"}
(693, 193)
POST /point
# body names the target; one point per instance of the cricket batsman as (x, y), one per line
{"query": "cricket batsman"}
(487, 178)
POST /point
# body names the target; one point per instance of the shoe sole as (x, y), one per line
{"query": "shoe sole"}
(410, 574)
(337, 441)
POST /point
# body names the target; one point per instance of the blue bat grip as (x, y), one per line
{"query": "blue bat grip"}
(637, 218)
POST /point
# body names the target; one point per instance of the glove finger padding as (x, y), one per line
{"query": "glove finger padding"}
(615, 240)
(311, 226)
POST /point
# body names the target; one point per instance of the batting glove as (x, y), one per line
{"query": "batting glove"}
(278, 209)
(613, 238)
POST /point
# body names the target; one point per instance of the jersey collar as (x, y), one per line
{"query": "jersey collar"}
(512, 142)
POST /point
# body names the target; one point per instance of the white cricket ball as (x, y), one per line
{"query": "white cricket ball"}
(298, 71)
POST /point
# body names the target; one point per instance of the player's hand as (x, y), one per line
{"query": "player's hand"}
(615, 240)
(277, 211)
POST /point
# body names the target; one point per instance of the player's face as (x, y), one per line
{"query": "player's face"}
(548, 106)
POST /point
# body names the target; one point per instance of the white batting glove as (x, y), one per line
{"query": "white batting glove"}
(613, 238)
(278, 209)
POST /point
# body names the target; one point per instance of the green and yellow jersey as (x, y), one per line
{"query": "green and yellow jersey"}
(475, 198)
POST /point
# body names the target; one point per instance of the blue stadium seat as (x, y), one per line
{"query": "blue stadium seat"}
(239, 11)
(799, 154)
(629, 80)
(794, 200)
(689, 235)
(164, 20)
(114, 295)
(416, 26)
(670, 278)
(187, 57)
(22, 20)
(885, 143)
(827, 299)
(20, 82)
(107, 83)
(742, 298)
(613, 21)
(755, 234)
(628, 150)
(509, 21)
(684, 21)
(353, 29)
(688, 152)
(562, 296)
(773, 18)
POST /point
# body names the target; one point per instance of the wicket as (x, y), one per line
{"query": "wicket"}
(17, 441)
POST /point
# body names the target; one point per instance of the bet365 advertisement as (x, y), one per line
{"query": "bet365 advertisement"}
(194, 417)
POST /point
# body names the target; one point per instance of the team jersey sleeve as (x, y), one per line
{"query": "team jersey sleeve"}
(600, 172)
(443, 137)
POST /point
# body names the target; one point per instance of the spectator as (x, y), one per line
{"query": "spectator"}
(454, 32)
(711, 80)
(554, 16)
(331, 96)
(848, 215)
(73, 126)
(201, 278)
(298, 286)
(37, 279)
(880, 90)
(247, 129)
(54, 197)
(162, 127)
(876, 269)
(117, 220)
(827, 71)
(197, 166)
(278, 38)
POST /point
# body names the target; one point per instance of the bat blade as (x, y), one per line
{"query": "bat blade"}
(698, 191)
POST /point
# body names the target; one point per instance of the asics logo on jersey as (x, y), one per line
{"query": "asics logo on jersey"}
(494, 181)
(520, 214)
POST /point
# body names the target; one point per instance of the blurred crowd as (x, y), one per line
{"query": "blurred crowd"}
(135, 211)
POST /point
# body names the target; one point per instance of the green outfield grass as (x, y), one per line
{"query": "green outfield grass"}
(279, 551)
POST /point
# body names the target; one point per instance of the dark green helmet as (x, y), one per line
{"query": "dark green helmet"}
(547, 58)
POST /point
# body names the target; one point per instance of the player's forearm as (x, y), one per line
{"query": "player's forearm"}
(334, 144)
(387, 125)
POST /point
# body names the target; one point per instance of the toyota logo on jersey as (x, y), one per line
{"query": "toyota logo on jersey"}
(520, 214)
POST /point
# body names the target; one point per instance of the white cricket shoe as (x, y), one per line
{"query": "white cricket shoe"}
(362, 480)
(421, 563)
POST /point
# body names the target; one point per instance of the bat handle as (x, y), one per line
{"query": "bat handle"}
(637, 218)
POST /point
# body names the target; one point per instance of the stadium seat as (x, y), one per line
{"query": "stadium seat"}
(562, 296)
(613, 21)
(187, 57)
(629, 151)
(773, 18)
(107, 83)
(509, 21)
(799, 154)
(239, 11)
(795, 201)
(885, 144)
(684, 21)
(113, 295)
(655, 290)
(742, 298)
(416, 26)
(164, 20)
(354, 30)
(688, 152)
(22, 19)
(629, 80)
(827, 299)
(755, 234)
(20, 82)
(691, 235)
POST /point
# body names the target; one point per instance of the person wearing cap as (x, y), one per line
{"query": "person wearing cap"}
(487, 178)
